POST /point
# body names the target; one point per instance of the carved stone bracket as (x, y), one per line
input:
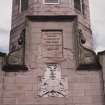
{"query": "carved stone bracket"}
(86, 58)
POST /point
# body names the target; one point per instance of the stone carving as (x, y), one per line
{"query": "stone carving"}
(86, 58)
(21, 38)
(52, 84)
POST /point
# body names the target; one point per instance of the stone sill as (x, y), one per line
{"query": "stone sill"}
(14, 68)
(89, 67)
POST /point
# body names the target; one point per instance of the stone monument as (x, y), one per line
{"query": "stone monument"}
(51, 60)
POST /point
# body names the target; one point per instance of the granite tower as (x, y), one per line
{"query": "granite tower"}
(51, 59)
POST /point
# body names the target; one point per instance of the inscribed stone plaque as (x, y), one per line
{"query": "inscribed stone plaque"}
(52, 43)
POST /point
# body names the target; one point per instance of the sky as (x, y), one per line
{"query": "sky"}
(97, 13)
(5, 24)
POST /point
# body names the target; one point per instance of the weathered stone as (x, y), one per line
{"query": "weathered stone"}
(52, 41)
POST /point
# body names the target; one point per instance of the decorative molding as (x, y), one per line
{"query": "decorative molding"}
(14, 68)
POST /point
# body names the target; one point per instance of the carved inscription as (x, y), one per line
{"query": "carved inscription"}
(52, 43)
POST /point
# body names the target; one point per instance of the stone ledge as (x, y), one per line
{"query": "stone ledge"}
(2, 54)
(14, 68)
(89, 67)
(101, 53)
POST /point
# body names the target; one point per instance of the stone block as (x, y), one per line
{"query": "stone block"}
(9, 94)
(11, 86)
(93, 92)
(98, 99)
(82, 100)
(86, 77)
(10, 80)
(25, 100)
(77, 92)
(24, 86)
(28, 79)
(9, 101)
(49, 100)
(87, 86)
